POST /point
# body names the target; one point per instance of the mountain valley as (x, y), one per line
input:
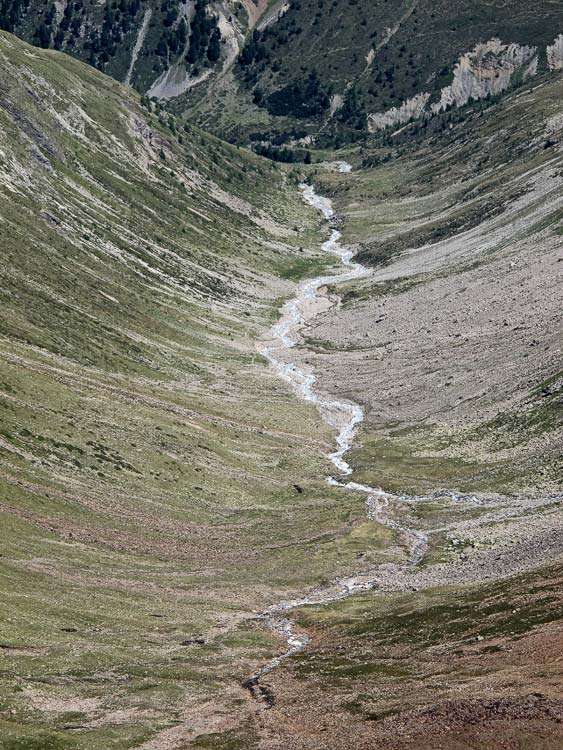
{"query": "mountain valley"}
(240, 259)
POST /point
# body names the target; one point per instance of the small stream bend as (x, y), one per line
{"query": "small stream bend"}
(344, 416)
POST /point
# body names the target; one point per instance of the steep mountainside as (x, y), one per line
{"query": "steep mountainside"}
(287, 69)
(156, 45)
(163, 489)
(391, 50)
(147, 496)
(351, 66)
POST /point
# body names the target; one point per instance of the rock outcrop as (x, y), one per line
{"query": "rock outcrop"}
(554, 54)
(488, 70)
(409, 110)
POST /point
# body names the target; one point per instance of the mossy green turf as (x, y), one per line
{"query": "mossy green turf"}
(147, 453)
(377, 655)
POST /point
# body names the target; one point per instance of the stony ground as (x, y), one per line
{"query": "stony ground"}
(152, 504)
(452, 346)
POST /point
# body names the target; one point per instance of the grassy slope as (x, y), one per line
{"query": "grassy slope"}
(467, 664)
(458, 668)
(146, 493)
(389, 50)
(449, 205)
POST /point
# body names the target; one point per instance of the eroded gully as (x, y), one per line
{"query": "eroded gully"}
(344, 417)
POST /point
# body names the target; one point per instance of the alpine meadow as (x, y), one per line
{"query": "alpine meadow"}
(280, 375)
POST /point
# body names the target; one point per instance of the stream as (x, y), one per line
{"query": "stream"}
(343, 416)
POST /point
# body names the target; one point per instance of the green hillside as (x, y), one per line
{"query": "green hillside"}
(147, 495)
(412, 42)
(133, 40)
(161, 485)
(278, 72)
(329, 65)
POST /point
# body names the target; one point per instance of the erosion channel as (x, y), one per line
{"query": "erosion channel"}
(343, 416)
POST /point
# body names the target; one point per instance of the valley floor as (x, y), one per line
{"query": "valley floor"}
(161, 486)
(453, 351)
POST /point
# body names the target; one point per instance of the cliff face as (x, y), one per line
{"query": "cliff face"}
(554, 54)
(487, 70)
(409, 110)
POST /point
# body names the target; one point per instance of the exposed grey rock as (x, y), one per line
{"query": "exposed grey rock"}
(487, 70)
(554, 54)
(409, 110)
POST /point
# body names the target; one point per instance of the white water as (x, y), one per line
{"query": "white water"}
(343, 166)
(343, 416)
